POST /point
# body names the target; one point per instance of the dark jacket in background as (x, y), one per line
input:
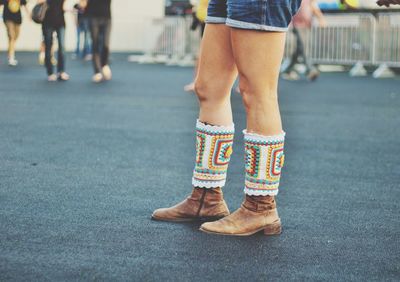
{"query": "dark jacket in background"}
(99, 9)
(55, 14)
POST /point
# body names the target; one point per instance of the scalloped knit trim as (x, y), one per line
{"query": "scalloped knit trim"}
(208, 184)
(252, 192)
(214, 128)
(261, 138)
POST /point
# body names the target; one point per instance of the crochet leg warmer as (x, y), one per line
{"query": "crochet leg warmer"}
(213, 152)
(264, 159)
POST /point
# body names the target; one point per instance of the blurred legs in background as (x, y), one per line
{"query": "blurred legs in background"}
(299, 56)
(100, 29)
(198, 18)
(48, 40)
(84, 51)
(42, 53)
(13, 33)
(190, 87)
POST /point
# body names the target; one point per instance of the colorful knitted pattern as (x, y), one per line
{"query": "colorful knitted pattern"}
(213, 152)
(264, 160)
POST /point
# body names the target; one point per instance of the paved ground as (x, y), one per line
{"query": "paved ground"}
(82, 167)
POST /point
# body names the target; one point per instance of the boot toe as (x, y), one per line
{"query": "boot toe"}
(214, 227)
(160, 214)
(172, 215)
(207, 227)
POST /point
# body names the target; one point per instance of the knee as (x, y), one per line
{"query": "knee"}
(254, 95)
(202, 90)
(210, 90)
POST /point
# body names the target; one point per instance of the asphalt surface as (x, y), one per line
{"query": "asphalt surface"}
(83, 166)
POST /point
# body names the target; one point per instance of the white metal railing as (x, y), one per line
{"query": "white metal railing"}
(348, 39)
(170, 41)
(387, 44)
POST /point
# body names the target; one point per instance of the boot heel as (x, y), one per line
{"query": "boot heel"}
(273, 228)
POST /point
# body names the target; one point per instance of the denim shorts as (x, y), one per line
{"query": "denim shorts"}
(269, 15)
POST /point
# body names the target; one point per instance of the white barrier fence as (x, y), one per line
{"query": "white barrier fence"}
(348, 39)
(345, 40)
(387, 44)
(171, 42)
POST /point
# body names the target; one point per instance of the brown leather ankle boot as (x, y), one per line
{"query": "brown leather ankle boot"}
(256, 213)
(207, 204)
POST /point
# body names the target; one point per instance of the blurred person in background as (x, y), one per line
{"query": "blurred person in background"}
(199, 17)
(99, 13)
(301, 24)
(12, 19)
(54, 22)
(82, 29)
(244, 38)
(387, 3)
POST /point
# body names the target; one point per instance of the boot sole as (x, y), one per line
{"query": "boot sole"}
(269, 230)
(213, 218)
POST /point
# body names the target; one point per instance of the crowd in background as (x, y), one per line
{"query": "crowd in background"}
(93, 28)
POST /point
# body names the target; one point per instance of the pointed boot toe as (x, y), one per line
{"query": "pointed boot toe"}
(202, 204)
(173, 214)
(219, 227)
(160, 214)
(208, 227)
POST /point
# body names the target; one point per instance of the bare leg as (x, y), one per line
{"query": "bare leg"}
(11, 48)
(215, 76)
(258, 56)
(13, 33)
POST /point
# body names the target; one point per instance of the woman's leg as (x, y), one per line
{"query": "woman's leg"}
(215, 76)
(13, 32)
(214, 137)
(258, 57)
